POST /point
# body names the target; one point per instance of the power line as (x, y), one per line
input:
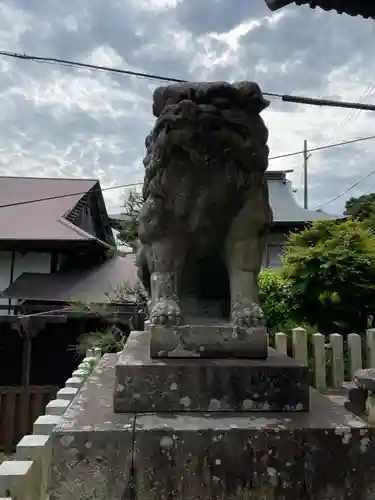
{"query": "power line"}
(123, 186)
(67, 195)
(320, 148)
(284, 97)
(346, 190)
(94, 67)
(351, 116)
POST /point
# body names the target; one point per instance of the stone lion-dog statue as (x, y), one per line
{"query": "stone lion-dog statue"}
(206, 213)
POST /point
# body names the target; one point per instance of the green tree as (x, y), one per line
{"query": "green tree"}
(128, 233)
(276, 299)
(361, 208)
(331, 269)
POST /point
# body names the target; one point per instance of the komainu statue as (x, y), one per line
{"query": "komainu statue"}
(206, 210)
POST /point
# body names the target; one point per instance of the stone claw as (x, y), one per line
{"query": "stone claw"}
(247, 316)
(166, 312)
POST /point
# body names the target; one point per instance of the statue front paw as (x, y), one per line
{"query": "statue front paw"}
(247, 315)
(166, 312)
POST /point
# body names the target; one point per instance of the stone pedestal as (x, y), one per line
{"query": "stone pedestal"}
(208, 341)
(326, 453)
(143, 384)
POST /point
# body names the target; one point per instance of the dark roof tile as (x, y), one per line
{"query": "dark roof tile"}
(364, 8)
(97, 284)
(41, 220)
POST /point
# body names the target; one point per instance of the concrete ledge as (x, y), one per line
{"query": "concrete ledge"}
(93, 447)
(38, 449)
(57, 407)
(27, 477)
(74, 382)
(67, 393)
(17, 479)
(45, 424)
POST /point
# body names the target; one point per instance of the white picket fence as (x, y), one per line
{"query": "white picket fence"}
(330, 359)
(27, 476)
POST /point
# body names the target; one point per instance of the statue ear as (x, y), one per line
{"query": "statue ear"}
(251, 97)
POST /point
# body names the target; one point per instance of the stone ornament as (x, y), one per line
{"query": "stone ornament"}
(206, 212)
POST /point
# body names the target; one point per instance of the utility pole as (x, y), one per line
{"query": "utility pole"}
(305, 181)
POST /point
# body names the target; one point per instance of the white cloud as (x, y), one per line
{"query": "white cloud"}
(62, 121)
(156, 5)
(14, 23)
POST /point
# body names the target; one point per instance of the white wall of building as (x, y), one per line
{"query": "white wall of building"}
(30, 262)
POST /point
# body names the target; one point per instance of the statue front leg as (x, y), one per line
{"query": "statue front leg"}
(244, 249)
(243, 278)
(165, 259)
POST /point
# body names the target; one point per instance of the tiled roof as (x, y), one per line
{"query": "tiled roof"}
(97, 284)
(364, 8)
(40, 220)
(285, 208)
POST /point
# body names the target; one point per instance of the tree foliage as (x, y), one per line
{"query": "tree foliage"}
(361, 208)
(331, 270)
(129, 230)
(276, 298)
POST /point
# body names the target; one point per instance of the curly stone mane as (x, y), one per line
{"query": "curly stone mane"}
(188, 115)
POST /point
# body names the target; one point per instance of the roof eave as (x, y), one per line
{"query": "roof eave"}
(363, 10)
(278, 4)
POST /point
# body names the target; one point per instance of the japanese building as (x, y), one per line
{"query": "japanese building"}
(363, 8)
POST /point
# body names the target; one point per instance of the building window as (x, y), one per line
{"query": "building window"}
(274, 253)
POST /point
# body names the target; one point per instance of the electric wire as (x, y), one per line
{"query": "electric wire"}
(357, 183)
(134, 184)
(350, 117)
(284, 97)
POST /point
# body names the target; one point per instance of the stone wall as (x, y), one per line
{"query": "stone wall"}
(27, 476)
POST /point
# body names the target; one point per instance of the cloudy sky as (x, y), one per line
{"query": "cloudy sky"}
(60, 121)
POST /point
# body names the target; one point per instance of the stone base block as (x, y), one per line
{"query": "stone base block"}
(327, 453)
(208, 341)
(144, 384)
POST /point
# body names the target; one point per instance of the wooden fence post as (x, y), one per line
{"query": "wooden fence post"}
(299, 339)
(319, 353)
(281, 343)
(355, 353)
(338, 371)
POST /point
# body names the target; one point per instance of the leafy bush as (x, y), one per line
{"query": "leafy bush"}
(330, 268)
(275, 298)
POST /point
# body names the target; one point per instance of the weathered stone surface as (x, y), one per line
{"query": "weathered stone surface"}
(169, 385)
(92, 448)
(204, 221)
(365, 379)
(208, 341)
(325, 454)
(356, 400)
